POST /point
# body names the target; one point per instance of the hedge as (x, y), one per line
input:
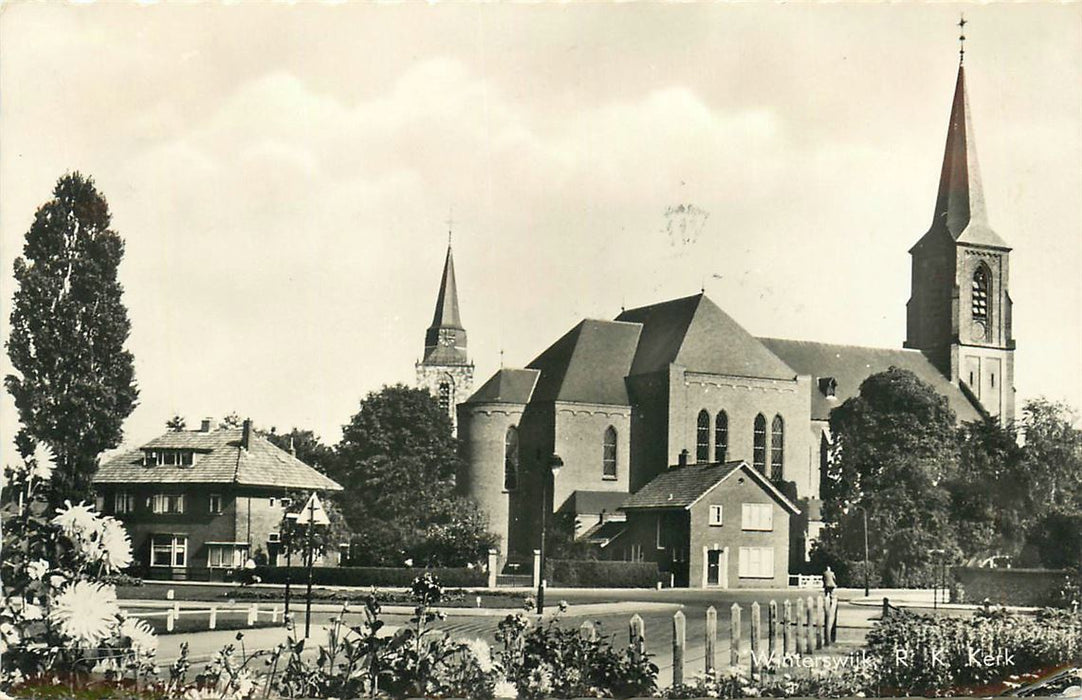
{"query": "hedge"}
(1033, 587)
(601, 574)
(370, 575)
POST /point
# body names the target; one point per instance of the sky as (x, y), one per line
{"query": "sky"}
(283, 176)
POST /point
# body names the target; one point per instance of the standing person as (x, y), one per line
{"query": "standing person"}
(829, 582)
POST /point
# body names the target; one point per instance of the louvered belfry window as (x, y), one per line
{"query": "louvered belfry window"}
(980, 294)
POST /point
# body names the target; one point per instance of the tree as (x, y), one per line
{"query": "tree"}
(1053, 454)
(894, 447)
(233, 420)
(176, 424)
(76, 381)
(306, 446)
(397, 460)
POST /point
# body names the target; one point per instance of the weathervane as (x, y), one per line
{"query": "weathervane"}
(450, 223)
(962, 39)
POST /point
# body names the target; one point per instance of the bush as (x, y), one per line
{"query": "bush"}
(370, 576)
(921, 655)
(601, 574)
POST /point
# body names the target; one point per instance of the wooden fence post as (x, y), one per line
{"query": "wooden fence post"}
(833, 619)
(772, 628)
(817, 620)
(787, 627)
(799, 626)
(734, 635)
(588, 631)
(711, 639)
(679, 642)
(809, 641)
(213, 617)
(822, 611)
(756, 622)
(637, 634)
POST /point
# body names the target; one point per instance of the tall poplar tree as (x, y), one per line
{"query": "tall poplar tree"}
(76, 381)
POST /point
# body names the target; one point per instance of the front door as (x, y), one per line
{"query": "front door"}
(715, 568)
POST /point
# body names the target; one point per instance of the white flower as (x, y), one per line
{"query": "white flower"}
(115, 543)
(505, 689)
(85, 611)
(37, 569)
(32, 612)
(482, 652)
(43, 463)
(76, 521)
(143, 640)
(8, 633)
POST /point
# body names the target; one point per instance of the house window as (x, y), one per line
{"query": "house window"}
(168, 503)
(702, 438)
(445, 396)
(759, 451)
(980, 294)
(216, 503)
(168, 458)
(168, 550)
(756, 562)
(721, 436)
(757, 516)
(608, 456)
(777, 449)
(510, 459)
(226, 556)
(123, 502)
(715, 515)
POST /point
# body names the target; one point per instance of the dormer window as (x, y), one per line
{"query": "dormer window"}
(829, 387)
(168, 458)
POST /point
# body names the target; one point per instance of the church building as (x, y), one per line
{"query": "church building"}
(660, 393)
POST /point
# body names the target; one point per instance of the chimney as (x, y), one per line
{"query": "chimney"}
(683, 457)
(246, 434)
(292, 447)
(204, 427)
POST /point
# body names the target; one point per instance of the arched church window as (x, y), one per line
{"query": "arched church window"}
(608, 454)
(777, 449)
(980, 294)
(721, 436)
(702, 438)
(510, 459)
(759, 451)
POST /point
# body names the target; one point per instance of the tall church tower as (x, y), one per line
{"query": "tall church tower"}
(445, 369)
(959, 312)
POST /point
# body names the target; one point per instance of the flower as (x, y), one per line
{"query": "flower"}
(143, 640)
(504, 689)
(32, 612)
(85, 611)
(37, 569)
(540, 679)
(76, 521)
(43, 463)
(115, 544)
(482, 652)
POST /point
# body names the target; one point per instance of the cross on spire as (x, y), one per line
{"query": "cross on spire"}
(962, 39)
(450, 223)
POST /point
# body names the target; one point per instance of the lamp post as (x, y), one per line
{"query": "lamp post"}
(864, 513)
(554, 466)
(935, 576)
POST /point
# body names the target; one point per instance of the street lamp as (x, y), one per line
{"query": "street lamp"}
(864, 513)
(554, 466)
(941, 554)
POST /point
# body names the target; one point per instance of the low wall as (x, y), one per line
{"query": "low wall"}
(370, 576)
(1028, 587)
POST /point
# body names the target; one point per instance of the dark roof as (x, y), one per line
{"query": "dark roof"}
(588, 364)
(507, 386)
(850, 365)
(446, 315)
(596, 502)
(959, 207)
(605, 532)
(680, 487)
(219, 459)
(695, 333)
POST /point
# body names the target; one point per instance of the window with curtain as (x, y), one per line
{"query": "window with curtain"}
(759, 450)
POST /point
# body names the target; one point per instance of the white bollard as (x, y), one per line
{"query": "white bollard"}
(169, 620)
(169, 594)
(213, 617)
(252, 612)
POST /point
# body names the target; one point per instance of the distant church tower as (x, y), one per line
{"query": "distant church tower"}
(959, 312)
(446, 370)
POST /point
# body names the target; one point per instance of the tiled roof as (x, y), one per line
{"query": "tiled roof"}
(588, 364)
(507, 386)
(849, 365)
(446, 314)
(680, 487)
(219, 459)
(695, 333)
(605, 532)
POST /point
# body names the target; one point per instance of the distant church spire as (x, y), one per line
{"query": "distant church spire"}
(446, 315)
